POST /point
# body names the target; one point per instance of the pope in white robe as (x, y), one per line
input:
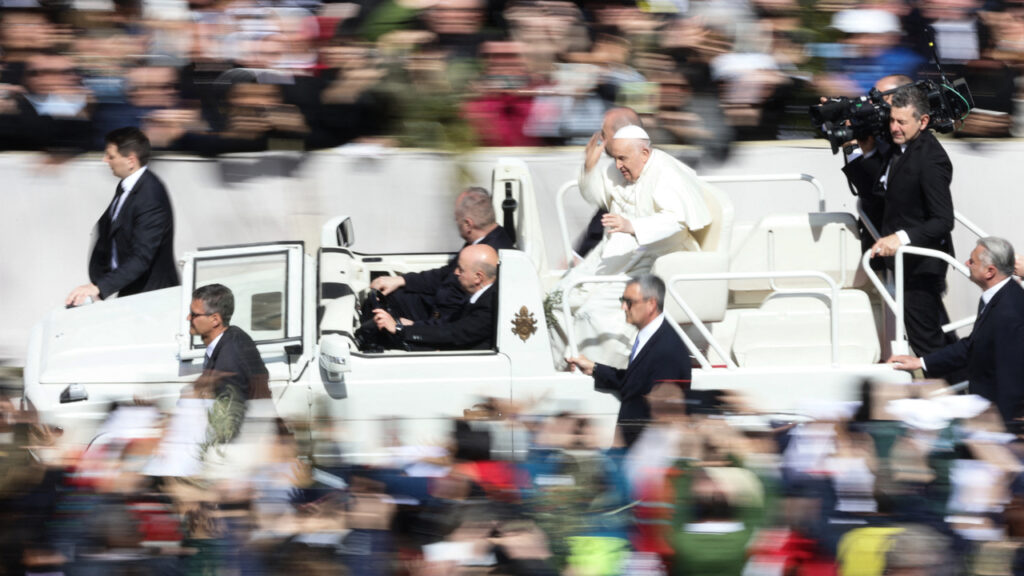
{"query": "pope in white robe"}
(653, 202)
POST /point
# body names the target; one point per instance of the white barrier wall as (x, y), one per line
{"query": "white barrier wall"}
(400, 201)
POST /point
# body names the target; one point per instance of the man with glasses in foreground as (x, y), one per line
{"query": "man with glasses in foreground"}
(232, 366)
(658, 355)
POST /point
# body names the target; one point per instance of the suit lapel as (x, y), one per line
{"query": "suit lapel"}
(220, 346)
(991, 306)
(647, 346)
(115, 223)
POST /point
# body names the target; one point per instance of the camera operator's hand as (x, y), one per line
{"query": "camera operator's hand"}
(886, 246)
(387, 284)
(867, 144)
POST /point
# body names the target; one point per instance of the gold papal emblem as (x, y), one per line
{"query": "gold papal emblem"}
(524, 324)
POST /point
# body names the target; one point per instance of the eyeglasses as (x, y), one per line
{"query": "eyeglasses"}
(192, 314)
(629, 301)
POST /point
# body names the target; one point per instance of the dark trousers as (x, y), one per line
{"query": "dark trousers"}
(924, 314)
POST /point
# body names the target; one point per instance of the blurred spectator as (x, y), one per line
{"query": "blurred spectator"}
(147, 88)
(253, 118)
(871, 48)
(23, 33)
(354, 102)
(51, 112)
(501, 106)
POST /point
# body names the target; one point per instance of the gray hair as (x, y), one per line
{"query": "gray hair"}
(475, 202)
(911, 96)
(217, 299)
(998, 252)
(651, 287)
(490, 271)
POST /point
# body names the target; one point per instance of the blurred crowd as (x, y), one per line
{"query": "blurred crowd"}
(911, 480)
(218, 76)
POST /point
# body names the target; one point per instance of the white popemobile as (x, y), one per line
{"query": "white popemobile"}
(779, 309)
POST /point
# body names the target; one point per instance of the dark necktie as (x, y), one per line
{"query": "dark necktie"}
(117, 198)
(981, 309)
(207, 361)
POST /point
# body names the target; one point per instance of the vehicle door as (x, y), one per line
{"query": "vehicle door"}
(271, 303)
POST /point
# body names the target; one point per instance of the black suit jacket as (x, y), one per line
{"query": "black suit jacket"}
(917, 199)
(144, 234)
(663, 358)
(440, 285)
(471, 329)
(236, 363)
(993, 354)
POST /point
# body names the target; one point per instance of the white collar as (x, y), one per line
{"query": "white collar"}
(476, 295)
(987, 295)
(129, 181)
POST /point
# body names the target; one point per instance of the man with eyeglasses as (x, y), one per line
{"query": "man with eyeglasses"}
(658, 355)
(232, 366)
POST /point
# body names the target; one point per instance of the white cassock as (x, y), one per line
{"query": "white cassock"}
(664, 205)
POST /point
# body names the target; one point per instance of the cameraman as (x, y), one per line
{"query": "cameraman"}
(873, 155)
(911, 176)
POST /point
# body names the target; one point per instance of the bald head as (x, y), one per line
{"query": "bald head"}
(477, 267)
(617, 118)
(891, 83)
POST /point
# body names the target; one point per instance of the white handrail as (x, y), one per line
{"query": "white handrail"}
(562, 224)
(570, 329)
(896, 304)
(969, 225)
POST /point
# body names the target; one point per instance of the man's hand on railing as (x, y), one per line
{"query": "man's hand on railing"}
(886, 246)
(904, 362)
(585, 365)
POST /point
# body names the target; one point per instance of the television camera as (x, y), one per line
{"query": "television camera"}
(843, 119)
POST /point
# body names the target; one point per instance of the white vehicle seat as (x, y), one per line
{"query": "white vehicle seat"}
(790, 330)
(823, 241)
(707, 298)
(795, 328)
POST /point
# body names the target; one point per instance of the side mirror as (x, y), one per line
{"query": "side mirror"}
(346, 233)
(335, 357)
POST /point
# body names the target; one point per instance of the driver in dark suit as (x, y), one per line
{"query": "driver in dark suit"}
(994, 352)
(658, 356)
(472, 328)
(435, 296)
(134, 250)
